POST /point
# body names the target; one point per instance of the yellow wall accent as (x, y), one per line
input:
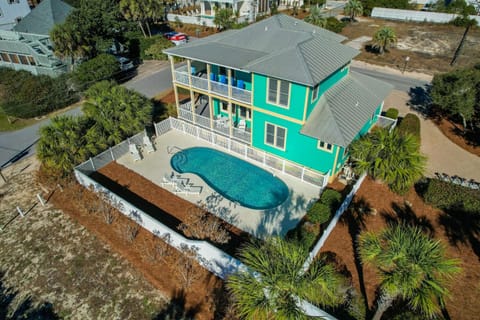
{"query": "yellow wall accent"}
(333, 175)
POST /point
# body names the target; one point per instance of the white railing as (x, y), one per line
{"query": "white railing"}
(261, 157)
(386, 122)
(181, 76)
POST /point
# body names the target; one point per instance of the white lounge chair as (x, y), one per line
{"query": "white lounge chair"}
(134, 152)
(167, 180)
(242, 124)
(147, 144)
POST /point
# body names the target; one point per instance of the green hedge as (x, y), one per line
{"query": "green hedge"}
(445, 195)
(410, 124)
(319, 213)
(26, 95)
(392, 113)
(331, 198)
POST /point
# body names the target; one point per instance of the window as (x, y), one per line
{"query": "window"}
(5, 57)
(275, 136)
(14, 58)
(13, 1)
(222, 70)
(224, 106)
(278, 92)
(325, 146)
(245, 113)
(31, 60)
(315, 92)
(23, 59)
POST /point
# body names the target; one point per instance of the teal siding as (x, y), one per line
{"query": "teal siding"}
(296, 99)
(324, 86)
(299, 148)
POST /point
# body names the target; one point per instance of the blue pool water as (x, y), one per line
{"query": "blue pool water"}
(233, 178)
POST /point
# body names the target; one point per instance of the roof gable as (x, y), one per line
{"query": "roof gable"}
(42, 19)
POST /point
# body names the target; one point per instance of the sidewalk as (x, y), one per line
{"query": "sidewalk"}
(443, 155)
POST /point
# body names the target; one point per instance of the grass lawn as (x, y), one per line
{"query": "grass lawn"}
(14, 123)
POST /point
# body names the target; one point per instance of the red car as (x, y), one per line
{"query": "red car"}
(176, 37)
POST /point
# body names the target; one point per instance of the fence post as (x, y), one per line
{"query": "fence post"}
(183, 127)
(198, 135)
(111, 153)
(264, 157)
(246, 152)
(229, 144)
(283, 165)
(156, 129)
(303, 173)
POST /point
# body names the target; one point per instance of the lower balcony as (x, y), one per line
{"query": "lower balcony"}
(236, 126)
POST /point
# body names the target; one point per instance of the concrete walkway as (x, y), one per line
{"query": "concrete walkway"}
(443, 155)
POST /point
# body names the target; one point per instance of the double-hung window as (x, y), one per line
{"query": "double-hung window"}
(275, 136)
(278, 92)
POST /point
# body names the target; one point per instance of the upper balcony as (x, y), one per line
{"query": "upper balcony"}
(212, 79)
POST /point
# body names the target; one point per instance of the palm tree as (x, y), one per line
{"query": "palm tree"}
(274, 290)
(411, 266)
(67, 42)
(316, 18)
(466, 22)
(384, 38)
(134, 10)
(353, 8)
(390, 157)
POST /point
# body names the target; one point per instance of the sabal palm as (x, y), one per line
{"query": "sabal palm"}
(134, 10)
(353, 8)
(384, 38)
(117, 111)
(61, 145)
(67, 42)
(410, 266)
(316, 18)
(273, 291)
(390, 157)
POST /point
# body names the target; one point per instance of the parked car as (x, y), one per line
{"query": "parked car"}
(177, 38)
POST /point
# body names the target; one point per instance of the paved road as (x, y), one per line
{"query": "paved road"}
(153, 78)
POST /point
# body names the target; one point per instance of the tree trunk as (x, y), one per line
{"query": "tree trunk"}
(143, 30)
(460, 46)
(148, 28)
(384, 302)
(464, 123)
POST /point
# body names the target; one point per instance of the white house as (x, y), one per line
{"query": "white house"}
(11, 12)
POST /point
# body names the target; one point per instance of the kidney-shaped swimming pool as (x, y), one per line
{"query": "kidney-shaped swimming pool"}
(233, 178)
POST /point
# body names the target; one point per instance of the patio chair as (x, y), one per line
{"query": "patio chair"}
(242, 124)
(147, 144)
(167, 180)
(134, 152)
(189, 188)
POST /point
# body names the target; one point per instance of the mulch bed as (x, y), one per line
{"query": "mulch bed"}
(391, 207)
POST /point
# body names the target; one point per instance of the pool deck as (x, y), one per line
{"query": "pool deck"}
(261, 223)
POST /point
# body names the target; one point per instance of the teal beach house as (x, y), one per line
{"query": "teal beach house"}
(282, 86)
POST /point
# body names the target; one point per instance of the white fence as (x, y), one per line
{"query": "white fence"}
(199, 20)
(417, 16)
(333, 223)
(243, 150)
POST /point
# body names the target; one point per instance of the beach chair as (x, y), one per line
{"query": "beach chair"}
(147, 144)
(242, 124)
(134, 152)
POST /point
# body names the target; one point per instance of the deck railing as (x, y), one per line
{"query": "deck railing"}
(221, 89)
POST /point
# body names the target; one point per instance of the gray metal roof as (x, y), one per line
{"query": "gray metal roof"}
(280, 46)
(42, 19)
(344, 109)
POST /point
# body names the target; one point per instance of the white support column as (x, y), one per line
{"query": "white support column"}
(202, 8)
(192, 96)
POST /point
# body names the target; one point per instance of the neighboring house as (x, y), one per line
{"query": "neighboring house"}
(282, 86)
(28, 46)
(11, 12)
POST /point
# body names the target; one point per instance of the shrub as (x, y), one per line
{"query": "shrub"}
(102, 67)
(392, 113)
(410, 124)
(307, 236)
(155, 51)
(26, 95)
(445, 195)
(333, 24)
(319, 213)
(331, 198)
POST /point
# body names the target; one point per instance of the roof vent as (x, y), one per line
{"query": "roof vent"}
(313, 32)
(295, 23)
(356, 105)
(266, 28)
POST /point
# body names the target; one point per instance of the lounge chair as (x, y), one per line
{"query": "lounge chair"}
(147, 144)
(242, 124)
(134, 152)
(167, 180)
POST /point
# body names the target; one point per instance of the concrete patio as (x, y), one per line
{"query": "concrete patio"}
(276, 221)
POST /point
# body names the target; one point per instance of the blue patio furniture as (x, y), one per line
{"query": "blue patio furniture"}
(222, 79)
(240, 84)
(213, 77)
(193, 69)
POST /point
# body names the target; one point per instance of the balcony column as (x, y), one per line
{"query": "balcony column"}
(209, 86)
(192, 96)
(202, 8)
(175, 91)
(230, 118)
(230, 83)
